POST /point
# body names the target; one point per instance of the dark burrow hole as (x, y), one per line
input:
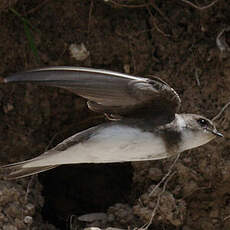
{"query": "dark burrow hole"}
(81, 189)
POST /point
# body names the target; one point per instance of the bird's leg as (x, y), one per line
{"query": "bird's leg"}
(113, 117)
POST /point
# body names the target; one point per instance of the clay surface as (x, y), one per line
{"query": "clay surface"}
(171, 39)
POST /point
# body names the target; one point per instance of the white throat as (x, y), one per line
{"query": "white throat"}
(191, 138)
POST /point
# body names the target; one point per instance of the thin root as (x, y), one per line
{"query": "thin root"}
(200, 7)
(145, 227)
(164, 180)
(166, 175)
(155, 24)
(221, 111)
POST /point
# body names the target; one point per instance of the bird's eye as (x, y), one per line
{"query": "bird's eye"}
(202, 122)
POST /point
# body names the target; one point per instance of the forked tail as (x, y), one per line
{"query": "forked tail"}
(16, 170)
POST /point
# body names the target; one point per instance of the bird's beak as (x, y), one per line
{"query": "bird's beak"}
(215, 132)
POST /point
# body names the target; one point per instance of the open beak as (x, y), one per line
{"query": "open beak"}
(215, 132)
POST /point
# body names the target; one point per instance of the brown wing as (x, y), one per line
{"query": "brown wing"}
(108, 91)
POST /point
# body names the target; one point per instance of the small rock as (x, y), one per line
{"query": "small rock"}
(126, 68)
(78, 51)
(28, 220)
(13, 210)
(121, 213)
(30, 209)
(169, 209)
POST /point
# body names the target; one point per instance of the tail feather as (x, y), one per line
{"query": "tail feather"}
(16, 170)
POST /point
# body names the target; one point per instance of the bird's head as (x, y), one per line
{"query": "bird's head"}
(198, 130)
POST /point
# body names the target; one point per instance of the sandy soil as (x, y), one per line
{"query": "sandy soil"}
(171, 39)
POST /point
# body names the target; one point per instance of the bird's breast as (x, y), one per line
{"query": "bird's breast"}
(114, 143)
(109, 143)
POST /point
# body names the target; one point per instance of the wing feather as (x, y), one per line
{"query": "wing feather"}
(108, 91)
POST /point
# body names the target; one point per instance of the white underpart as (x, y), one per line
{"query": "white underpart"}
(192, 140)
(116, 143)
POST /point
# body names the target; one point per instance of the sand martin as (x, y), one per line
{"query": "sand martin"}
(144, 124)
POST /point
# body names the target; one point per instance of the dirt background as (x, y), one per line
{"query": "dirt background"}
(171, 39)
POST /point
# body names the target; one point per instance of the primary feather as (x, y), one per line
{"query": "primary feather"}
(108, 91)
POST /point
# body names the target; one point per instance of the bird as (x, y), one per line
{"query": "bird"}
(143, 120)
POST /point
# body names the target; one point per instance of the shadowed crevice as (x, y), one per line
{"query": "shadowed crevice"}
(80, 189)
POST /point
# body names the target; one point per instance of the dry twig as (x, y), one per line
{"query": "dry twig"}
(221, 111)
(160, 12)
(164, 180)
(154, 23)
(90, 15)
(200, 7)
(29, 186)
(166, 175)
(145, 227)
(197, 77)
